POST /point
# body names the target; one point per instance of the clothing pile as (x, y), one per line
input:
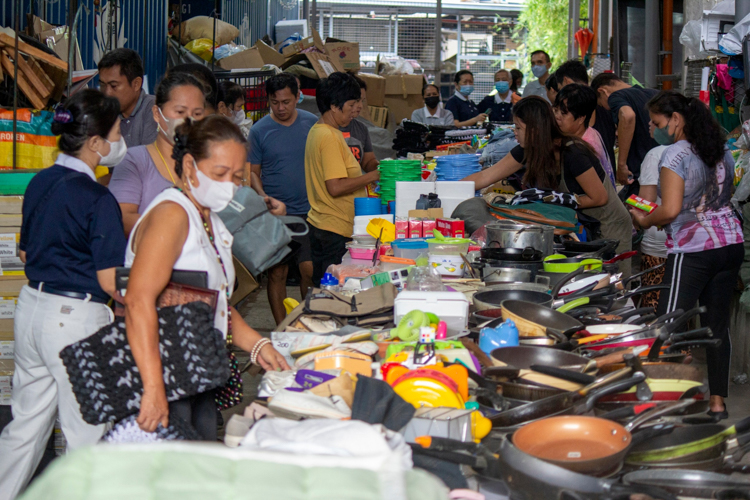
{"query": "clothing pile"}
(413, 137)
(502, 141)
(546, 196)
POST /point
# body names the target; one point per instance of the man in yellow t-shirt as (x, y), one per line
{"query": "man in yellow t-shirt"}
(332, 175)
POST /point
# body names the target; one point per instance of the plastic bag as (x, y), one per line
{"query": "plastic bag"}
(424, 279)
(227, 50)
(202, 48)
(690, 37)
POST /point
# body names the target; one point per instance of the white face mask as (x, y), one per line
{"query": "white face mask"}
(237, 117)
(117, 151)
(210, 193)
(171, 126)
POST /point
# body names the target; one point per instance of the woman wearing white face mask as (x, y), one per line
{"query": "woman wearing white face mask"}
(147, 170)
(71, 242)
(180, 230)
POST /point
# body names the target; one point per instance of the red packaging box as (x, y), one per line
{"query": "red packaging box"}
(428, 225)
(402, 228)
(415, 228)
(452, 228)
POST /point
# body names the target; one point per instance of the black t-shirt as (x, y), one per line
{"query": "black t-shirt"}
(577, 160)
(636, 98)
(76, 232)
(605, 125)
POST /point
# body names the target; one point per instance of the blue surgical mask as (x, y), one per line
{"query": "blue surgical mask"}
(539, 70)
(663, 137)
(502, 87)
(466, 90)
(301, 98)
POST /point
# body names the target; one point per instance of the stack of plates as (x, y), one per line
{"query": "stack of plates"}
(392, 171)
(456, 167)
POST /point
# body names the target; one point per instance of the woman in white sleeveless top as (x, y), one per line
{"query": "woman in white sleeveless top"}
(180, 230)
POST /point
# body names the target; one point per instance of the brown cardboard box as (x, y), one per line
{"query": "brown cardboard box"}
(12, 285)
(430, 213)
(375, 89)
(378, 115)
(311, 41)
(10, 220)
(249, 58)
(347, 53)
(403, 95)
(269, 54)
(57, 40)
(11, 204)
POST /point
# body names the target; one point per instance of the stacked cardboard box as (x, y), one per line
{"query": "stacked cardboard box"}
(314, 52)
(12, 278)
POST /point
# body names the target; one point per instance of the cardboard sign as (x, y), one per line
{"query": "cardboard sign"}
(347, 53)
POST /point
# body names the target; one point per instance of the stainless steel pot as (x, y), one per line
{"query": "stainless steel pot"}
(509, 234)
(492, 275)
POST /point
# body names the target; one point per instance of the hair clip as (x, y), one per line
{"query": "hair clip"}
(62, 115)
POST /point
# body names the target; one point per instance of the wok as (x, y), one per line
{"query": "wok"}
(588, 445)
(685, 441)
(561, 402)
(731, 450)
(687, 483)
(527, 254)
(492, 299)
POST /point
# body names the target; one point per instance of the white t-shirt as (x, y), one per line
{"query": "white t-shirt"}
(654, 241)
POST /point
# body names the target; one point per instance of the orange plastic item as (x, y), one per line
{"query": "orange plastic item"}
(397, 260)
(353, 362)
(445, 147)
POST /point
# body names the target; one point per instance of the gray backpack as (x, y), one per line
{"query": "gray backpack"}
(261, 239)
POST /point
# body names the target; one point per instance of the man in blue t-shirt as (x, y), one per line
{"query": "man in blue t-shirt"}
(277, 162)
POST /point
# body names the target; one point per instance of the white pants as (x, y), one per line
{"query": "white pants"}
(44, 325)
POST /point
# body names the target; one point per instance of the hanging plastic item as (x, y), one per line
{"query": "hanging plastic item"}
(584, 38)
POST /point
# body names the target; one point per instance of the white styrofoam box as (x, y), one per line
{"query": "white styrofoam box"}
(361, 222)
(451, 307)
(718, 20)
(6, 349)
(451, 194)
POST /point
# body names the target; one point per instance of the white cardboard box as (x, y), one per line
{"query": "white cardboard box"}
(451, 194)
(7, 367)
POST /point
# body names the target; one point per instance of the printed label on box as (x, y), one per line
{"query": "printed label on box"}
(8, 244)
(5, 389)
(6, 349)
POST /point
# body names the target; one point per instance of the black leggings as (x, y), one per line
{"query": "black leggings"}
(709, 278)
(326, 248)
(200, 412)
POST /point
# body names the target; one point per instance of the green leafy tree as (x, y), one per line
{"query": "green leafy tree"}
(542, 25)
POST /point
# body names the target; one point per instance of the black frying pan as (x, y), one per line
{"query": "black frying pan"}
(545, 317)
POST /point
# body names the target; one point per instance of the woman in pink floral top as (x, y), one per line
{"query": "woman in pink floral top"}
(704, 238)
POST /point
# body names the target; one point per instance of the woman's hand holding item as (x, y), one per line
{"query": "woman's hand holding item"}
(154, 410)
(271, 360)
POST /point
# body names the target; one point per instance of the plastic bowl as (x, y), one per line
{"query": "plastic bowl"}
(447, 265)
(409, 248)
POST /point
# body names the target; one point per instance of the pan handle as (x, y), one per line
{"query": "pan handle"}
(625, 490)
(628, 411)
(645, 289)
(614, 388)
(634, 312)
(445, 444)
(449, 456)
(699, 334)
(565, 279)
(682, 320)
(642, 273)
(668, 317)
(678, 346)
(658, 411)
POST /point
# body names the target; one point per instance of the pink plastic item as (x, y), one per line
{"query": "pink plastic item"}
(442, 331)
(362, 253)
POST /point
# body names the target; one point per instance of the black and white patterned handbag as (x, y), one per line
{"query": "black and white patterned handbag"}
(105, 378)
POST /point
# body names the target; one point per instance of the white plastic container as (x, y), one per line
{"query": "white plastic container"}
(448, 265)
(451, 307)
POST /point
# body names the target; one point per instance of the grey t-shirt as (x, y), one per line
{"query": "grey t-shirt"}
(139, 128)
(136, 180)
(535, 88)
(358, 139)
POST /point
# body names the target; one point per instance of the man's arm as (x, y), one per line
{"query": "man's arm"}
(346, 185)
(255, 181)
(625, 131)
(369, 162)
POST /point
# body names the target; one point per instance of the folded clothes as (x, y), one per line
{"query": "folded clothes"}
(546, 196)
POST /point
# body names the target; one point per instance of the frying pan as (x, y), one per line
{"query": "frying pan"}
(588, 445)
(687, 483)
(733, 449)
(532, 478)
(537, 321)
(685, 441)
(493, 299)
(559, 402)
(524, 357)
(661, 370)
